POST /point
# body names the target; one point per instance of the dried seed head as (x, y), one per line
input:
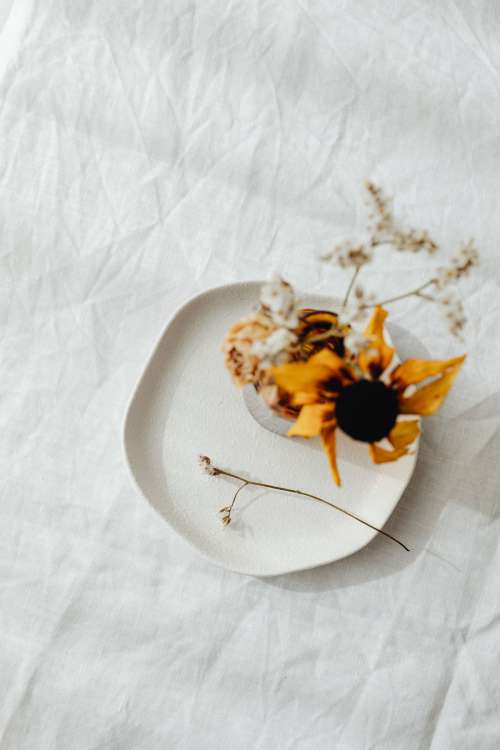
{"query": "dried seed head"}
(207, 466)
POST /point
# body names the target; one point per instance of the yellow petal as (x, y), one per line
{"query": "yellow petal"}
(415, 370)
(428, 399)
(404, 433)
(325, 357)
(311, 420)
(297, 377)
(328, 440)
(382, 456)
(337, 365)
(301, 398)
(378, 356)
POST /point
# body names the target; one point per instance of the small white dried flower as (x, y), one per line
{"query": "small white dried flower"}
(274, 347)
(277, 298)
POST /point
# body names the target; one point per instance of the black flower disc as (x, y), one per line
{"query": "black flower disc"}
(367, 410)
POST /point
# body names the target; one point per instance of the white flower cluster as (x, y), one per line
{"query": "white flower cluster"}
(274, 348)
(460, 265)
(278, 303)
(277, 299)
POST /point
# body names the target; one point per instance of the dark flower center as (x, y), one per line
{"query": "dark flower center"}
(367, 410)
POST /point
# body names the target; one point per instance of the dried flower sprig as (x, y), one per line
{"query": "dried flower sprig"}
(438, 290)
(384, 230)
(209, 468)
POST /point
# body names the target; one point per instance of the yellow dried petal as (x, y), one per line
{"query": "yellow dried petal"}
(301, 398)
(311, 420)
(327, 358)
(428, 399)
(297, 377)
(404, 433)
(328, 440)
(415, 370)
(379, 355)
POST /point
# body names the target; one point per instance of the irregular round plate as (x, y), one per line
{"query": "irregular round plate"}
(186, 404)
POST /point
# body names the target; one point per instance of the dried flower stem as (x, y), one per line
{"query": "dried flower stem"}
(426, 297)
(414, 293)
(351, 285)
(247, 482)
(235, 497)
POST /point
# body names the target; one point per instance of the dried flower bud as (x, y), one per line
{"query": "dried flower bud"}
(453, 311)
(347, 255)
(459, 266)
(385, 230)
(207, 466)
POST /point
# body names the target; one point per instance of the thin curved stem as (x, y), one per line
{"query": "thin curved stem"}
(316, 498)
(414, 292)
(241, 487)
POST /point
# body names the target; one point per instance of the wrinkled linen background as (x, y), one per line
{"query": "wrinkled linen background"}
(150, 150)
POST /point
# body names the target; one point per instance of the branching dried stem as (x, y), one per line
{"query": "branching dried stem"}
(414, 292)
(212, 470)
(384, 229)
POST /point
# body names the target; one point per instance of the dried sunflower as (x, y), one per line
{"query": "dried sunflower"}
(359, 398)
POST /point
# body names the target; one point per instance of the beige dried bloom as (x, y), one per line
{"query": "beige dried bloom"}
(265, 338)
(207, 466)
(453, 310)
(240, 359)
(385, 230)
(347, 255)
(381, 218)
(413, 241)
(459, 267)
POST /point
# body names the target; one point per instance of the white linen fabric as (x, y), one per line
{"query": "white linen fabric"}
(150, 150)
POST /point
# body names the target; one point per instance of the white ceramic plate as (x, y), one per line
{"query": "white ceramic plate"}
(186, 404)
